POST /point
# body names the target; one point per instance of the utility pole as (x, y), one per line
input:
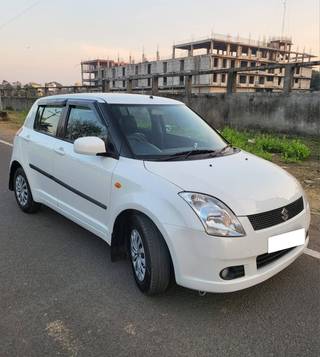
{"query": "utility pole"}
(283, 16)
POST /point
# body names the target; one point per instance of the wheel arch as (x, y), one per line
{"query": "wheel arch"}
(13, 167)
(118, 236)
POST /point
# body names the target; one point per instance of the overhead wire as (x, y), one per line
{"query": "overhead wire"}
(19, 14)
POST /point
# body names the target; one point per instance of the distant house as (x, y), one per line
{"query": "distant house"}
(35, 86)
(53, 86)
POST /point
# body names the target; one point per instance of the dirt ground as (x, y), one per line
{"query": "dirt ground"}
(7, 131)
(308, 173)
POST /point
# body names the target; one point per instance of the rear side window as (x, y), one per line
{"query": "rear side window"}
(84, 122)
(47, 119)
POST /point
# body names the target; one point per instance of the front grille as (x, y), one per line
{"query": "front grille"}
(268, 258)
(276, 216)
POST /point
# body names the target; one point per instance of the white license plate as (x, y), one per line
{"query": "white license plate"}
(286, 240)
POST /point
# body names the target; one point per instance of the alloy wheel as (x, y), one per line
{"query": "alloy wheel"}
(22, 190)
(137, 255)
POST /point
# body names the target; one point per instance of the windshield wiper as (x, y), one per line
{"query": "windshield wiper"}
(199, 151)
(228, 146)
(186, 154)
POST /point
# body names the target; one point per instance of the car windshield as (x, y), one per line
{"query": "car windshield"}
(164, 132)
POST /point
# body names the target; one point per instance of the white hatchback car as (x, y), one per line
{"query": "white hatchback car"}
(152, 179)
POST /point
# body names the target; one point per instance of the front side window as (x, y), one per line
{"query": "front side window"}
(47, 119)
(82, 122)
(163, 131)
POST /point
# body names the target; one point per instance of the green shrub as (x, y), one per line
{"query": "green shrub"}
(265, 145)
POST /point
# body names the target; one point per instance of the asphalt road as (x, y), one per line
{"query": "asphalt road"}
(60, 295)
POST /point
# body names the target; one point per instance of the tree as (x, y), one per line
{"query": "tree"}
(6, 84)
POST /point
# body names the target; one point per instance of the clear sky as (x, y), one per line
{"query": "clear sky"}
(45, 40)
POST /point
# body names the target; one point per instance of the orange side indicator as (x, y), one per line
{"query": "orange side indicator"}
(117, 185)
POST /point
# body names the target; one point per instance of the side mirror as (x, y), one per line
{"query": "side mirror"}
(89, 145)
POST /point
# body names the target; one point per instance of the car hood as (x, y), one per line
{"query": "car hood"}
(244, 182)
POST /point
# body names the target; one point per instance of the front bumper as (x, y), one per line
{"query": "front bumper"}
(199, 258)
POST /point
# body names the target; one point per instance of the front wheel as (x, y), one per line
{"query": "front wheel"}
(149, 256)
(23, 193)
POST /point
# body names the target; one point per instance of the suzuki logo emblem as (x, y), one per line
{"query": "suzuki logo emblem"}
(284, 214)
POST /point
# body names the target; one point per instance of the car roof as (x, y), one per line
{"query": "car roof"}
(112, 98)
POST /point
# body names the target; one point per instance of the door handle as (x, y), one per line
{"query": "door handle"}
(60, 151)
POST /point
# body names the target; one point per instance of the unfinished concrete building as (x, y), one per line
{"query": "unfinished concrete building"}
(218, 52)
(93, 70)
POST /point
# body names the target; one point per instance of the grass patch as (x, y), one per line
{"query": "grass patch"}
(17, 117)
(266, 145)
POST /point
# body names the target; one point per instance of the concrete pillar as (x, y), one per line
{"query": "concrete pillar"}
(231, 82)
(155, 85)
(105, 85)
(188, 85)
(129, 85)
(173, 52)
(288, 78)
(211, 46)
(228, 49)
(82, 74)
(190, 51)
(249, 52)
(239, 51)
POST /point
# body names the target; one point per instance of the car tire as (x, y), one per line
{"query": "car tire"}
(149, 255)
(23, 193)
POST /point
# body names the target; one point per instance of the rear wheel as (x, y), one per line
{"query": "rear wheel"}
(23, 193)
(149, 256)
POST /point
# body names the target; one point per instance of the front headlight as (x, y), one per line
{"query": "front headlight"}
(216, 217)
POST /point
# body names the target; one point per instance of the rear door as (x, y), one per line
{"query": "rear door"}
(39, 144)
(85, 180)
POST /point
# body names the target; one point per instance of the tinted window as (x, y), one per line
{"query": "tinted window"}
(182, 122)
(48, 119)
(162, 130)
(142, 117)
(84, 122)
